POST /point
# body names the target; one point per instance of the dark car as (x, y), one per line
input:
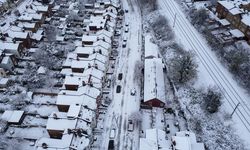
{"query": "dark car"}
(118, 89)
(111, 145)
(120, 76)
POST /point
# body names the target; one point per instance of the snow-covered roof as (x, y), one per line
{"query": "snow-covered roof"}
(60, 122)
(155, 140)
(84, 50)
(73, 80)
(79, 64)
(12, 116)
(30, 16)
(74, 110)
(77, 79)
(85, 95)
(20, 35)
(102, 44)
(53, 144)
(59, 38)
(6, 60)
(4, 81)
(105, 32)
(67, 100)
(37, 36)
(237, 33)
(9, 46)
(94, 38)
(151, 49)
(154, 87)
(246, 19)
(90, 50)
(41, 70)
(97, 21)
(186, 140)
(224, 22)
(233, 6)
(26, 25)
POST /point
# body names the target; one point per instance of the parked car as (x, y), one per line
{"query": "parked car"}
(167, 129)
(124, 44)
(120, 76)
(112, 134)
(125, 39)
(111, 145)
(117, 32)
(2, 24)
(130, 125)
(118, 89)
(126, 30)
(133, 92)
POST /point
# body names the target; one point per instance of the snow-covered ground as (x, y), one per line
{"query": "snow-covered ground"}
(123, 103)
(211, 71)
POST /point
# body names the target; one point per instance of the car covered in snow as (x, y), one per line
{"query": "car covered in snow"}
(133, 91)
(124, 44)
(130, 125)
(112, 134)
(126, 30)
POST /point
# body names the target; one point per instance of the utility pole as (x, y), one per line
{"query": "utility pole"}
(174, 19)
(235, 109)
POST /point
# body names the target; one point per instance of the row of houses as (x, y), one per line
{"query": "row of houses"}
(80, 96)
(18, 35)
(156, 139)
(236, 14)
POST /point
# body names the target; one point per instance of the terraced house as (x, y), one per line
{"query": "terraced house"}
(237, 13)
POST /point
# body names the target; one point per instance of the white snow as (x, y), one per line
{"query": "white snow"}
(151, 49)
(237, 33)
(155, 140)
(154, 87)
(12, 116)
(211, 71)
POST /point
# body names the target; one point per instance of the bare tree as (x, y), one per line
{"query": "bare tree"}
(199, 17)
(161, 28)
(183, 68)
(44, 57)
(72, 17)
(50, 32)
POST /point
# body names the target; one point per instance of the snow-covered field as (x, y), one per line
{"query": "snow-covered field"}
(211, 71)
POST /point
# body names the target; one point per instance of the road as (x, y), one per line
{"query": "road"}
(123, 103)
(211, 70)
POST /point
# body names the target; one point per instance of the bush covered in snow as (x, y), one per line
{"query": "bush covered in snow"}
(212, 100)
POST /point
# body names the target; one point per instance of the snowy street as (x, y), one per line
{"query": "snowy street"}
(123, 103)
(211, 71)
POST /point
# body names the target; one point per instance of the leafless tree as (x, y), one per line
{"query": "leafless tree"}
(183, 68)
